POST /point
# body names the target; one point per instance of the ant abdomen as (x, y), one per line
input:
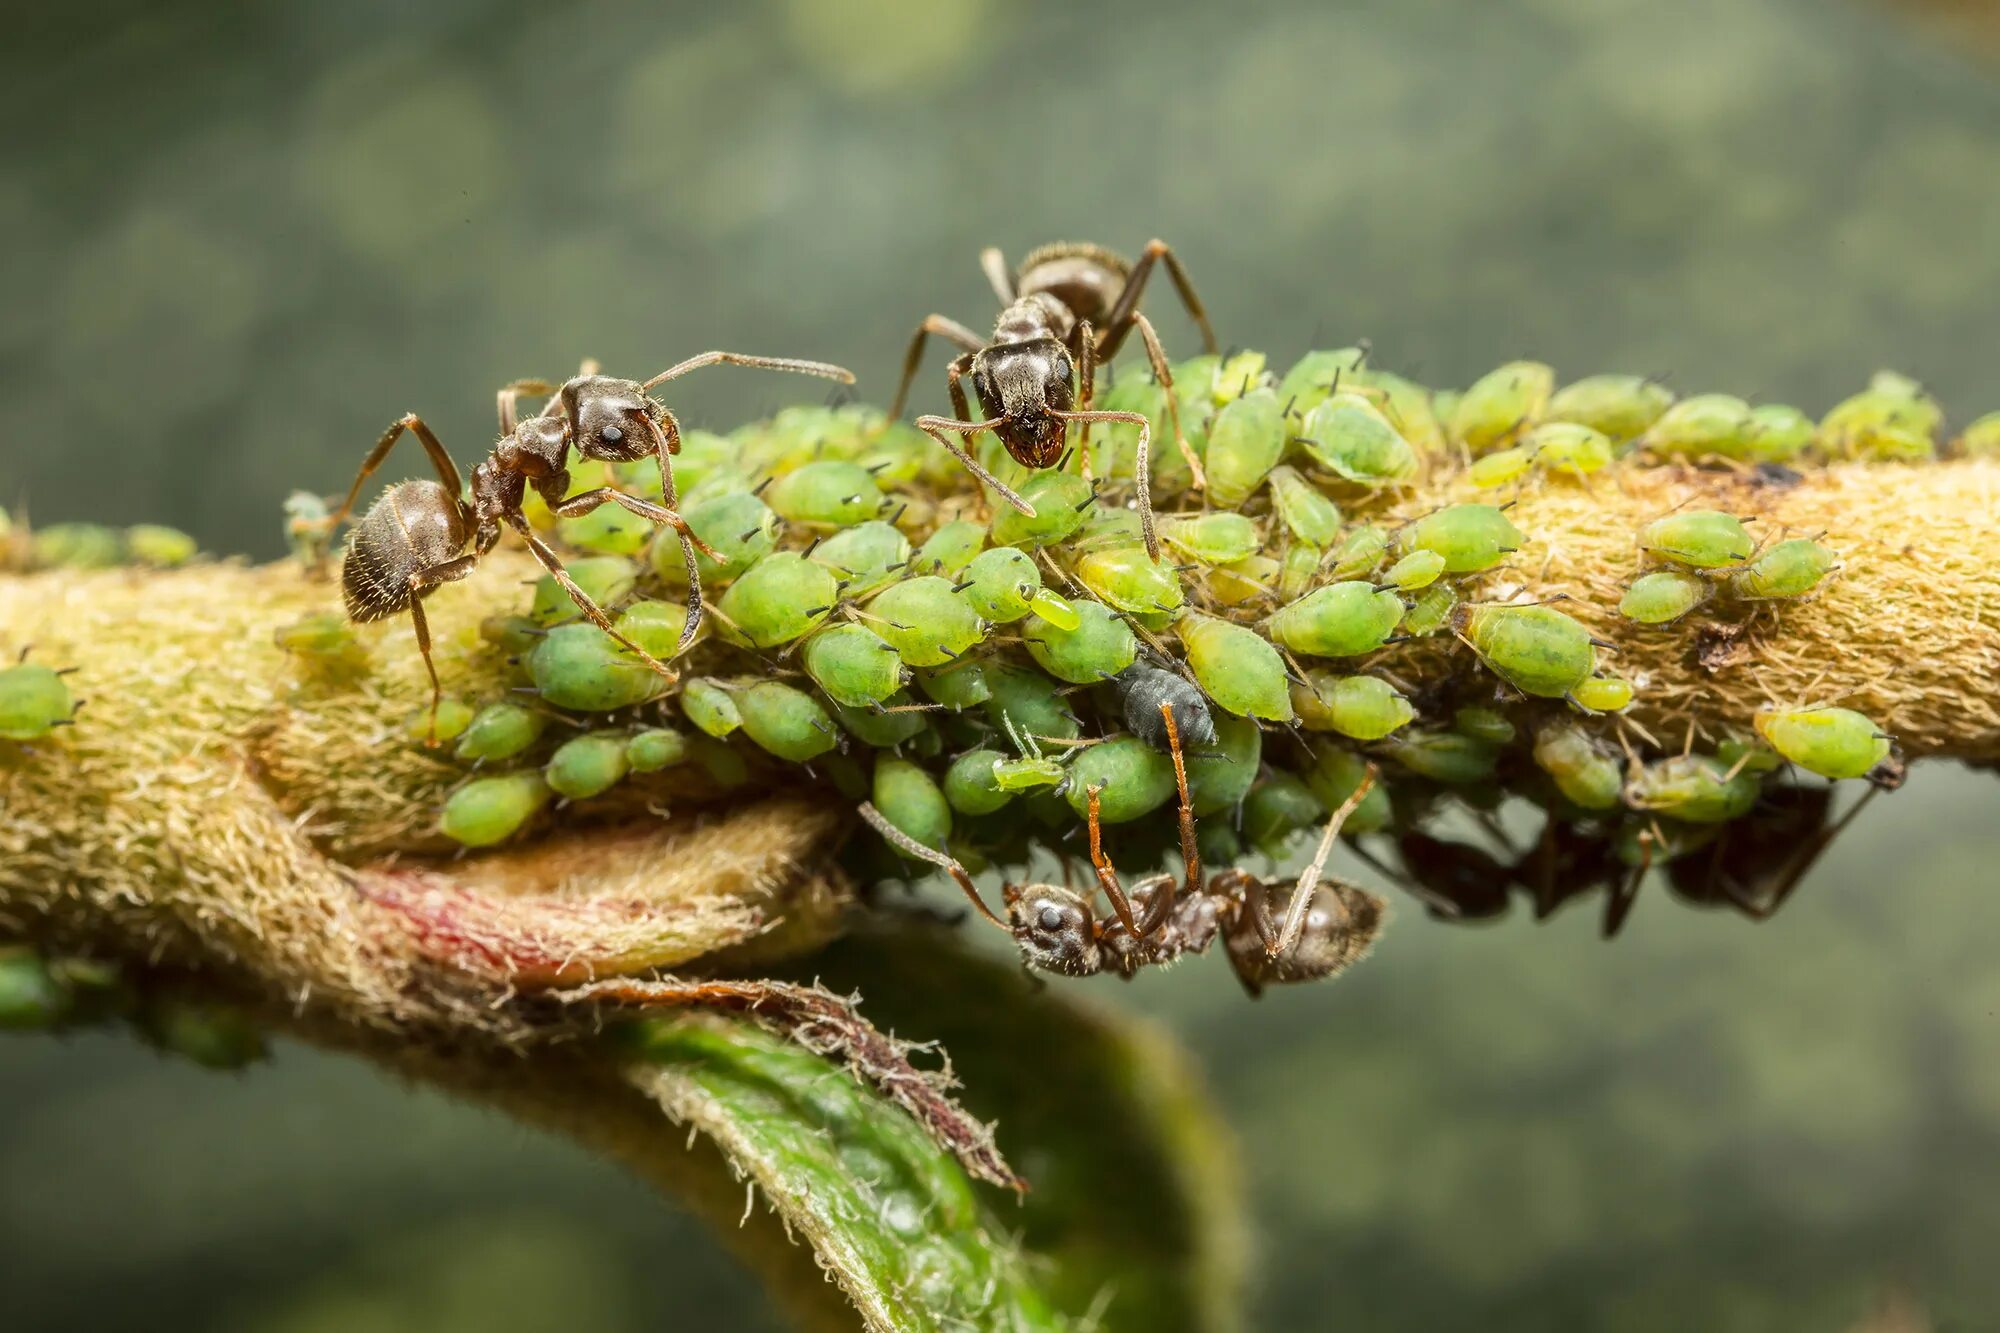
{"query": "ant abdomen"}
(415, 525)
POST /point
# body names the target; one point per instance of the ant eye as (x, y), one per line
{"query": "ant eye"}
(1051, 918)
(610, 435)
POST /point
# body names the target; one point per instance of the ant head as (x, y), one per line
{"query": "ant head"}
(1054, 929)
(1029, 386)
(1342, 923)
(612, 420)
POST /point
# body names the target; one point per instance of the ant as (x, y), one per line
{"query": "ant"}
(413, 539)
(1068, 307)
(1273, 931)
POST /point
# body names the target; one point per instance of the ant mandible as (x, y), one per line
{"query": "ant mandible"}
(1274, 931)
(1069, 306)
(413, 539)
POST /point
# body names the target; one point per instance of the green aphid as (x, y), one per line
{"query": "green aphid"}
(159, 547)
(1315, 376)
(325, 642)
(1693, 788)
(1779, 433)
(1361, 707)
(1623, 407)
(1584, 772)
(1500, 406)
(1299, 570)
(1415, 571)
(607, 579)
(969, 784)
(725, 766)
(1893, 420)
(1029, 702)
(1237, 668)
(1349, 436)
(1444, 756)
(1030, 772)
(1338, 620)
(950, 549)
(1249, 580)
(1101, 645)
(1980, 439)
(1444, 403)
(900, 719)
(779, 599)
(827, 493)
(1536, 649)
(1108, 525)
(1790, 568)
(1220, 844)
(926, 621)
(609, 529)
(1708, 425)
(513, 635)
(656, 748)
(1218, 538)
(1483, 724)
(1061, 501)
(740, 527)
(864, 557)
(711, 706)
(909, 798)
(1698, 538)
(1470, 537)
(853, 664)
(1502, 467)
(703, 455)
(1334, 775)
(1431, 611)
(582, 668)
(1570, 449)
(1276, 809)
(1221, 773)
(77, 546)
(587, 765)
(1407, 404)
(449, 722)
(1245, 441)
(1603, 694)
(1649, 842)
(1832, 742)
(32, 997)
(654, 626)
(1000, 585)
(1361, 552)
(1134, 779)
(486, 811)
(1304, 508)
(1664, 596)
(1127, 578)
(787, 721)
(34, 701)
(1058, 612)
(959, 686)
(1242, 373)
(208, 1033)
(1748, 755)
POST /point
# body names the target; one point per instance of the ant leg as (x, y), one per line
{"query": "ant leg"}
(667, 443)
(1190, 854)
(509, 396)
(421, 583)
(822, 369)
(1807, 856)
(1107, 874)
(585, 501)
(905, 843)
(1119, 322)
(595, 613)
(1087, 385)
(943, 327)
(447, 470)
(1302, 891)
(934, 426)
(1158, 356)
(1619, 905)
(1143, 455)
(994, 265)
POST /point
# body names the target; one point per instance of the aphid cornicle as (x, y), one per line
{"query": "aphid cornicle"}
(1067, 307)
(414, 538)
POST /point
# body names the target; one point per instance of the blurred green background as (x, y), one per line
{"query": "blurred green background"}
(244, 237)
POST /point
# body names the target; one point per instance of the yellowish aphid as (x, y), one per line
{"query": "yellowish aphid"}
(1603, 694)
(1832, 742)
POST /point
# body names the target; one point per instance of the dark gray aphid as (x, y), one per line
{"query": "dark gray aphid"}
(1143, 690)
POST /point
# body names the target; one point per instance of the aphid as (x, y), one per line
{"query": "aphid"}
(1251, 579)
(1338, 775)
(1028, 700)
(514, 636)
(1417, 570)
(1125, 577)
(1569, 448)
(159, 547)
(1360, 552)
(499, 731)
(1237, 667)
(1213, 538)
(1101, 645)
(656, 748)
(1832, 742)
(587, 765)
(609, 529)
(737, 528)
(654, 626)
(1779, 433)
(1245, 442)
(1664, 596)
(76, 546)
(1339, 620)
(970, 786)
(1693, 788)
(853, 664)
(779, 599)
(1708, 425)
(827, 493)
(960, 686)
(1362, 707)
(907, 800)
(897, 720)
(1892, 420)
(1470, 537)
(1584, 772)
(603, 578)
(926, 621)
(1785, 569)
(34, 700)
(789, 722)
(1602, 694)
(450, 719)
(1498, 407)
(1315, 376)
(1124, 777)
(1063, 502)
(415, 537)
(1748, 755)
(950, 549)
(1431, 611)
(1068, 307)
(1444, 756)
(1221, 771)
(1299, 570)
(1305, 509)
(581, 667)
(1483, 724)
(1276, 808)
(711, 706)
(1030, 772)
(305, 526)
(486, 811)
(325, 642)
(32, 997)
(1000, 585)
(1502, 467)
(1349, 436)
(864, 557)
(1622, 407)
(1536, 649)
(1698, 538)
(212, 1034)
(1147, 693)
(1980, 439)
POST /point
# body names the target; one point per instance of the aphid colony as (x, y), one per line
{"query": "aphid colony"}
(991, 678)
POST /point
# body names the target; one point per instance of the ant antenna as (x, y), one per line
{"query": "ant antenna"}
(903, 842)
(1302, 892)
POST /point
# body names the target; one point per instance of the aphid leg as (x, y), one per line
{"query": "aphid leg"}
(1086, 372)
(935, 426)
(1143, 455)
(421, 583)
(1119, 322)
(591, 610)
(1158, 356)
(1302, 892)
(447, 471)
(904, 842)
(822, 369)
(509, 397)
(1190, 854)
(994, 265)
(944, 327)
(1107, 874)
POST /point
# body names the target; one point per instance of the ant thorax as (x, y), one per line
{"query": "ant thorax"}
(1195, 924)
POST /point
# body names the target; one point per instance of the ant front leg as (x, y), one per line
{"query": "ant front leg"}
(1190, 853)
(421, 583)
(447, 471)
(1124, 310)
(666, 443)
(1107, 874)
(1086, 374)
(591, 610)
(994, 264)
(935, 428)
(944, 327)
(909, 846)
(508, 400)
(1158, 357)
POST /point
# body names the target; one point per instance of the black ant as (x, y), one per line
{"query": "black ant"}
(1274, 931)
(413, 539)
(1068, 307)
